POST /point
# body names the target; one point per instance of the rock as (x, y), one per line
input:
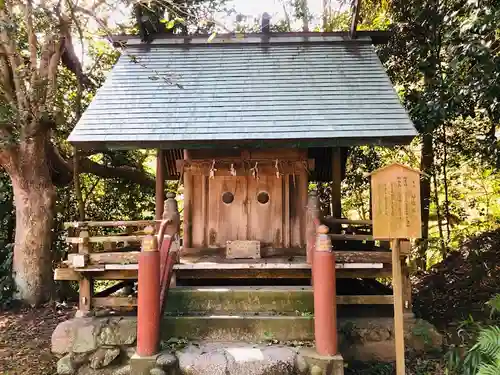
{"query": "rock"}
(272, 360)
(130, 351)
(123, 370)
(157, 371)
(421, 336)
(194, 361)
(66, 366)
(111, 370)
(301, 365)
(76, 335)
(166, 361)
(103, 357)
(119, 331)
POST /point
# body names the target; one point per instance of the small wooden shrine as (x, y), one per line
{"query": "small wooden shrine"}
(245, 123)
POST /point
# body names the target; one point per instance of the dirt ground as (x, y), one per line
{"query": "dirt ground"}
(25, 339)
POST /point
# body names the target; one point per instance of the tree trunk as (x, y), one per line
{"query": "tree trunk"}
(34, 200)
(426, 165)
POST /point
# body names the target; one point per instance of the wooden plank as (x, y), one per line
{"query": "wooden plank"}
(363, 257)
(111, 301)
(266, 167)
(69, 274)
(188, 209)
(351, 237)
(227, 221)
(333, 220)
(66, 274)
(396, 202)
(365, 300)
(198, 220)
(286, 211)
(102, 239)
(118, 223)
(85, 284)
(397, 287)
(159, 184)
(265, 220)
(302, 209)
(111, 258)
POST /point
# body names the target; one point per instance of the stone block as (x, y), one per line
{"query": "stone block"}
(142, 365)
(322, 365)
(102, 357)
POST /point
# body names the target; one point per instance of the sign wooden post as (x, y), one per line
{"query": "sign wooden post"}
(396, 215)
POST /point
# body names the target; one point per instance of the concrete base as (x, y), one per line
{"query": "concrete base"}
(142, 365)
(322, 365)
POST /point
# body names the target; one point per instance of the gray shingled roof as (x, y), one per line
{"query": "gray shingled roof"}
(173, 93)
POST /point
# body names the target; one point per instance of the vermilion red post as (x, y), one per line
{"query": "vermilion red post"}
(148, 310)
(325, 299)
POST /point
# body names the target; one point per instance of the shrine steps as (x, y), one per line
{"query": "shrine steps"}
(253, 313)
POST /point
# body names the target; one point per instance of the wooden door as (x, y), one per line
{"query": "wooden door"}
(265, 210)
(227, 210)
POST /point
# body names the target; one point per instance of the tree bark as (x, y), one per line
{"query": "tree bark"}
(426, 166)
(34, 200)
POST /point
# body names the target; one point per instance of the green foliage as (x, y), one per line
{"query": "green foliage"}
(483, 357)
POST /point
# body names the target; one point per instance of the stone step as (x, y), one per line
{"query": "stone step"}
(239, 300)
(238, 328)
(287, 300)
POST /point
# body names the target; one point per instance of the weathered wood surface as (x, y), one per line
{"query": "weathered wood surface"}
(126, 258)
(265, 221)
(397, 287)
(104, 239)
(106, 258)
(396, 202)
(332, 220)
(69, 274)
(202, 168)
(118, 223)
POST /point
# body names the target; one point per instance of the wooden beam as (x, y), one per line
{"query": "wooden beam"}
(111, 258)
(365, 300)
(86, 285)
(355, 18)
(188, 205)
(117, 223)
(160, 184)
(397, 287)
(336, 182)
(351, 237)
(102, 239)
(333, 220)
(69, 274)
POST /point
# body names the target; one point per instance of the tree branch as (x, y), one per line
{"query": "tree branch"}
(62, 170)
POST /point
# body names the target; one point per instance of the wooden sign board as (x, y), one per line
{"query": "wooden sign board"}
(396, 202)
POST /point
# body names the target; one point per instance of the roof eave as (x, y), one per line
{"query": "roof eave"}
(255, 143)
(374, 37)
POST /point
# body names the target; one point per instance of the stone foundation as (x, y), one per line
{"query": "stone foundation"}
(105, 345)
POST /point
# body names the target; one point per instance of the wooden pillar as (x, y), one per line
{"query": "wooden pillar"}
(86, 284)
(148, 296)
(325, 305)
(312, 224)
(160, 184)
(397, 287)
(188, 203)
(336, 192)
